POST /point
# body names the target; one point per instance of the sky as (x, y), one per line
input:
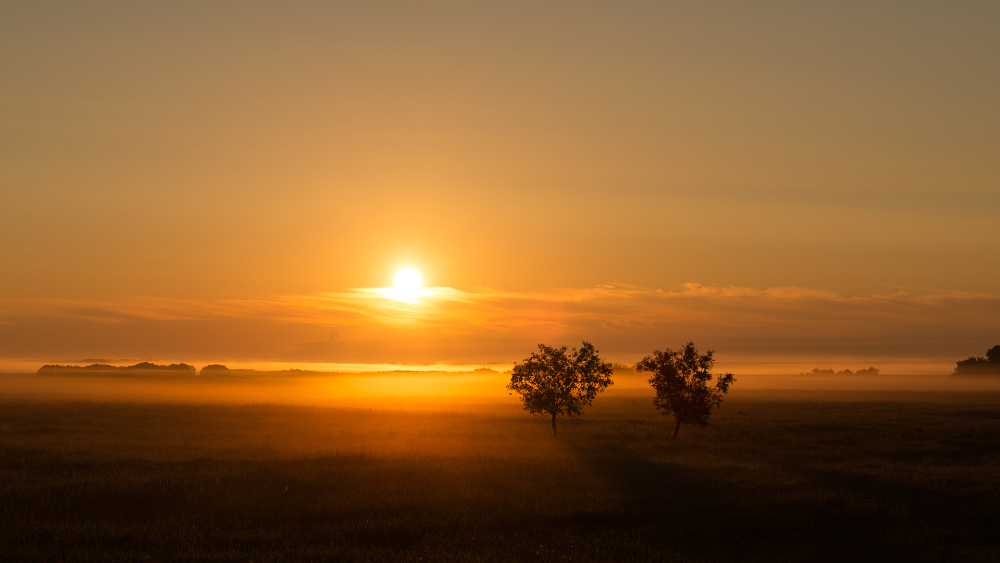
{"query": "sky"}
(233, 181)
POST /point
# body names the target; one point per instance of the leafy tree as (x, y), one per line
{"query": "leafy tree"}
(681, 380)
(555, 382)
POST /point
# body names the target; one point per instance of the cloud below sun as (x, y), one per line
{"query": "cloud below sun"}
(443, 324)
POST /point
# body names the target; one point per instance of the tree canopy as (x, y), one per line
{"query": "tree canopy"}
(681, 380)
(978, 365)
(556, 382)
(993, 354)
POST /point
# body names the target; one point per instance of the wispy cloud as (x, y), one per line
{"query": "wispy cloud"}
(368, 324)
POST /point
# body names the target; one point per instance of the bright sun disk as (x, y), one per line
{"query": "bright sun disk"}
(408, 279)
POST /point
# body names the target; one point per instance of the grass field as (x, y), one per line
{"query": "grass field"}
(778, 476)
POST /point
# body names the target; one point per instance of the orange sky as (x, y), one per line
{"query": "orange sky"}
(229, 180)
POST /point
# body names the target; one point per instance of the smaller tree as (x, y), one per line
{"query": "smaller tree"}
(555, 382)
(681, 380)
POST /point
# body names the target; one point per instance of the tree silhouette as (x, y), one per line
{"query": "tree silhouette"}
(555, 382)
(681, 380)
(978, 365)
(993, 354)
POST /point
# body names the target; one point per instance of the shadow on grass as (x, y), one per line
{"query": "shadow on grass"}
(690, 506)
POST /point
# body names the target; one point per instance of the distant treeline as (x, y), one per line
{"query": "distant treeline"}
(148, 369)
(866, 371)
(979, 365)
(144, 368)
(219, 370)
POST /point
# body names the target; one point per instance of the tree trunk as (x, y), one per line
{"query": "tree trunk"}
(554, 434)
(676, 428)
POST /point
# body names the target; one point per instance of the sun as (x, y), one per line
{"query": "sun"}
(409, 287)
(408, 279)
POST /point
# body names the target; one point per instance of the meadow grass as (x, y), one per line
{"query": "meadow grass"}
(790, 476)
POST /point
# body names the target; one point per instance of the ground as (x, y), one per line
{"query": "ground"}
(777, 476)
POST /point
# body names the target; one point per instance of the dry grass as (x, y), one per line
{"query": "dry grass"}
(793, 476)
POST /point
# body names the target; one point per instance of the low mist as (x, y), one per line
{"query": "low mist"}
(435, 389)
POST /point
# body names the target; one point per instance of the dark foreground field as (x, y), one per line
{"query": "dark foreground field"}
(790, 477)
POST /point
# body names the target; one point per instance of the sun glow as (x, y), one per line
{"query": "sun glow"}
(408, 279)
(408, 286)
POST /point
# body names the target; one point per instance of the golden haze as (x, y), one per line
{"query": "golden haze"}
(232, 182)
